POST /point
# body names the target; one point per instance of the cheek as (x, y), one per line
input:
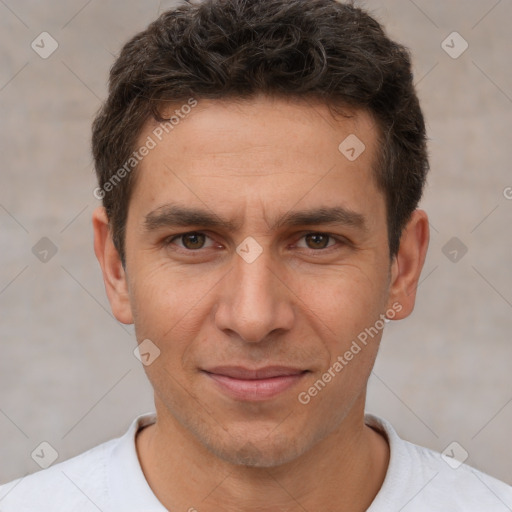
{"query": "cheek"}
(166, 314)
(169, 305)
(345, 302)
(165, 291)
(348, 314)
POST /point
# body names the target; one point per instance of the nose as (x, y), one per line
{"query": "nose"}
(254, 303)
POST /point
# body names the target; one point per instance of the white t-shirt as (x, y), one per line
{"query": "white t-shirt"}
(108, 478)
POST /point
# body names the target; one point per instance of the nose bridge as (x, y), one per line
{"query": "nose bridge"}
(254, 281)
(253, 303)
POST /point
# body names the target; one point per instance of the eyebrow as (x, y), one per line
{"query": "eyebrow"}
(334, 215)
(173, 215)
(178, 216)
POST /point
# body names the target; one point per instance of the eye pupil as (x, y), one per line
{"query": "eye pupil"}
(193, 240)
(317, 240)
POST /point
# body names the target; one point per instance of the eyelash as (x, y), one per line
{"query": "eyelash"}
(339, 240)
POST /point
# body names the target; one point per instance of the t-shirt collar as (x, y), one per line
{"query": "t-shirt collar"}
(130, 491)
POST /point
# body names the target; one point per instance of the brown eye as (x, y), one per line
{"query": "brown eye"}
(317, 240)
(193, 241)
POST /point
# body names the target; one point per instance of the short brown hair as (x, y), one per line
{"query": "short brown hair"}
(318, 49)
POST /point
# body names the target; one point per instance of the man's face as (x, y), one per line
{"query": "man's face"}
(311, 273)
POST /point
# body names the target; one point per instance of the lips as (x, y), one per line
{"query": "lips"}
(239, 372)
(254, 384)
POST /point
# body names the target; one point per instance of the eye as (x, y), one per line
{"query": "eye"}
(192, 241)
(317, 241)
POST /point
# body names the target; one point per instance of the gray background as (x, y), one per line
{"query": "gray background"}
(67, 372)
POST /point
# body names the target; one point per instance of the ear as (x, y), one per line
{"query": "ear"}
(114, 275)
(408, 263)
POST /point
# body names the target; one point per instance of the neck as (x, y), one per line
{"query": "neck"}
(344, 471)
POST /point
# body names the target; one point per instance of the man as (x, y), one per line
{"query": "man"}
(260, 165)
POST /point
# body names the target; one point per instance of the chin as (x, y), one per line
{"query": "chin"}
(260, 445)
(262, 453)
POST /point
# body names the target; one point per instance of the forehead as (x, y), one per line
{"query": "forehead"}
(219, 124)
(266, 149)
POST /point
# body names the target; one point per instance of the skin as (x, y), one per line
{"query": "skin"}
(301, 303)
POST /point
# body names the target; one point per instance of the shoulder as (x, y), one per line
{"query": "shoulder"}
(446, 481)
(76, 484)
(106, 477)
(420, 479)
